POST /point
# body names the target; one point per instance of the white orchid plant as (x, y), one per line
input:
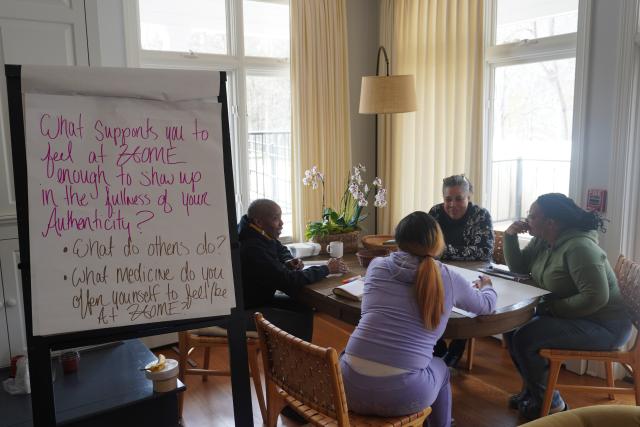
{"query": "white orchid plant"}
(354, 199)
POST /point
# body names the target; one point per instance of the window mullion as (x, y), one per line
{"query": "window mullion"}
(556, 47)
(149, 58)
(235, 28)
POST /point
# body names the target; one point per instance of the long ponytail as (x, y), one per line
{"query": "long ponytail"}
(430, 293)
(419, 234)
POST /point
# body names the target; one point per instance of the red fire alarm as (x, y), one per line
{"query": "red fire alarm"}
(597, 200)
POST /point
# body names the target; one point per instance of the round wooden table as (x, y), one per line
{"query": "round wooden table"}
(320, 296)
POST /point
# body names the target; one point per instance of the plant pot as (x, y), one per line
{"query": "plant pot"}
(349, 240)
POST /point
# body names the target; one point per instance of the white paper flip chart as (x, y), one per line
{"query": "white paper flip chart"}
(127, 205)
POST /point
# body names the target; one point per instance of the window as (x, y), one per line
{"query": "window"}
(250, 40)
(530, 63)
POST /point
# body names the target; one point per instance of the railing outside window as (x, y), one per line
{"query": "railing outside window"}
(516, 183)
(269, 163)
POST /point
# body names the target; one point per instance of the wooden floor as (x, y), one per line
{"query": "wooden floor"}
(479, 396)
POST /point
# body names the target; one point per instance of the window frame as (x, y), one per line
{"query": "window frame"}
(570, 45)
(237, 66)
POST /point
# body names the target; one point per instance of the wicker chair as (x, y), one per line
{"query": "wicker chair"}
(212, 338)
(308, 379)
(628, 274)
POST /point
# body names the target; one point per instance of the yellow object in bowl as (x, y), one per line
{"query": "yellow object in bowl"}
(164, 379)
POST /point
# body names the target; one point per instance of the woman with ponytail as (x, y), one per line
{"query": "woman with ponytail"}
(584, 310)
(388, 365)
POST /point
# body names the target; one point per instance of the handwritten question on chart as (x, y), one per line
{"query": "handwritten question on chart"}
(139, 155)
(127, 212)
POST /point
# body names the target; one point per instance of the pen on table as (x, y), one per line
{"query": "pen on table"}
(351, 279)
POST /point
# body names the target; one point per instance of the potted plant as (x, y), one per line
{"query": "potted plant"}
(342, 224)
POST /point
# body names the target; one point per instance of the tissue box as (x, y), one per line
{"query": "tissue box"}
(302, 250)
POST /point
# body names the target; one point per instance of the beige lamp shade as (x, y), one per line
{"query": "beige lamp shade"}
(387, 94)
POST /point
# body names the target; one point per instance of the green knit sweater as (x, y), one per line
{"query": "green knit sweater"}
(576, 272)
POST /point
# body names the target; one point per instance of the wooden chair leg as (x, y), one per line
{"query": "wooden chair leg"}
(205, 363)
(608, 367)
(183, 348)
(253, 353)
(275, 404)
(470, 348)
(636, 382)
(554, 370)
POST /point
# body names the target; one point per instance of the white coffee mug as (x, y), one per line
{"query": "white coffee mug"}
(335, 249)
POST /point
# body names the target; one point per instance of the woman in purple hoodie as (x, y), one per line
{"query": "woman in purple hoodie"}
(388, 366)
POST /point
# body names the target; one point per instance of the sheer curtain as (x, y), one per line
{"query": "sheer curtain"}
(320, 128)
(441, 43)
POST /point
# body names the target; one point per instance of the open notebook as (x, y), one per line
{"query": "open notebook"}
(352, 290)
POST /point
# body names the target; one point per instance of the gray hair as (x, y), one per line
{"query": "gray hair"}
(261, 208)
(457, 181)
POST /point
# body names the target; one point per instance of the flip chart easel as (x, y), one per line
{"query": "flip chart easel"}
(126, 214)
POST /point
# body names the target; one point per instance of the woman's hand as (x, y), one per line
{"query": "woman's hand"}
(482, 282)
(336, 265)
(517, 227)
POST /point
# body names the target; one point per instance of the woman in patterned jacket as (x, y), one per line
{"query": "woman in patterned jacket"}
(468, 234)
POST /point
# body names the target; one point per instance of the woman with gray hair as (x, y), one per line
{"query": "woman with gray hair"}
(467, 228)
(468, 234)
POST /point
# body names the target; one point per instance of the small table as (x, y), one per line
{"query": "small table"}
(107, 390)
(320, 296)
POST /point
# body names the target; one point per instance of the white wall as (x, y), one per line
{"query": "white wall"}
(363, 32)
(601, 98)
(105, 31)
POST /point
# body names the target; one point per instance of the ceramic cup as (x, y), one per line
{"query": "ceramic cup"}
(335, 249)
(70, 361)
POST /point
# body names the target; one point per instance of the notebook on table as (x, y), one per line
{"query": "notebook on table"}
(352, 290)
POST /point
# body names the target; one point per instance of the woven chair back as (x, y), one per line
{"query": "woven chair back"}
(628, 275)
(498, 247)
(306, 372)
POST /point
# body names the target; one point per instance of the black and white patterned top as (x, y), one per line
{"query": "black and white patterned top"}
(469, 238)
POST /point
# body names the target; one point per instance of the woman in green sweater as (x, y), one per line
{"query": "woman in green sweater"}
(584, 310)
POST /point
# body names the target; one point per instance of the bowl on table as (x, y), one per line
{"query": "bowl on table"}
(380, 241)
(366, 255)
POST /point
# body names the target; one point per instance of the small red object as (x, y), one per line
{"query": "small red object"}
(14, 365)
(597, 200)
(70, 361)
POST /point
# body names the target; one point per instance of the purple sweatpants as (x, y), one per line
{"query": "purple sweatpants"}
(401, 394)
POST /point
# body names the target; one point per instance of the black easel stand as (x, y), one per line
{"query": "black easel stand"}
(39, 347)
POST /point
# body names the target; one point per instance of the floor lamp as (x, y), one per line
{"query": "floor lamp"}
(386, 95)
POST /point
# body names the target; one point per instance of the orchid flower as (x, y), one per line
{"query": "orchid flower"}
(354, 199)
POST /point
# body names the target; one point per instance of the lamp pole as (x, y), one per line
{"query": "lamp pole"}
(381, 50)
(382, 94)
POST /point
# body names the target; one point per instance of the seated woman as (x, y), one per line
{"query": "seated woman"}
(468, 234)
(388, 367)
(584, 310)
